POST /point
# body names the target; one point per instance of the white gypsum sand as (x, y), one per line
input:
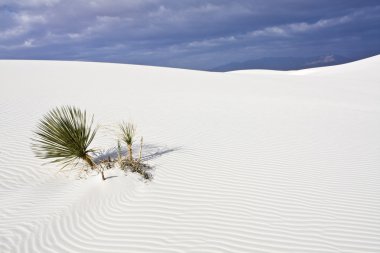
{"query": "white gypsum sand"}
(247, 161)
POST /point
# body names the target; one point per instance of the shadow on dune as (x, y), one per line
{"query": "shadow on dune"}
(149, 152)
(153, 151)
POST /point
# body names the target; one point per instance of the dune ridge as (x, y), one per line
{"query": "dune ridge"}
(256, 161)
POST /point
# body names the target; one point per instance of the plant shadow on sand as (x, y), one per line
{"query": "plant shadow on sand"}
(108, 158)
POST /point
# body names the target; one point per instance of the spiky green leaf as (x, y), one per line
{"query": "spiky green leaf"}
(64, 136)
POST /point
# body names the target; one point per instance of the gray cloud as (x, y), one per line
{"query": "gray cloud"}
(191, 34)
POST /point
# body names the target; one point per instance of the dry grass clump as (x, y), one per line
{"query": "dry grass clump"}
(128, 132)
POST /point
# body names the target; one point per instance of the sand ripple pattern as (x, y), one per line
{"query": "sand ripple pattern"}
(253, 162)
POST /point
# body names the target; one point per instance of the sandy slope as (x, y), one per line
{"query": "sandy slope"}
(251, 161)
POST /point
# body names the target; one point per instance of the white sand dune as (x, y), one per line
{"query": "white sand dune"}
(247, 161)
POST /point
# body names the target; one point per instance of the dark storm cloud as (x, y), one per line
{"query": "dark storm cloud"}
(192, 34)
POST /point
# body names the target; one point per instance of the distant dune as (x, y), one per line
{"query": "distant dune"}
(247, 161)
(284, 63)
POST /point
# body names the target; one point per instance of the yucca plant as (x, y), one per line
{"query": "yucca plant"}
(128, 131)
(64, 135)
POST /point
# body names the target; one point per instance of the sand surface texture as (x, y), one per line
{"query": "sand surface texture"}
(246, 161)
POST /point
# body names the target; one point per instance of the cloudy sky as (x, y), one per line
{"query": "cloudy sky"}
(187, 33)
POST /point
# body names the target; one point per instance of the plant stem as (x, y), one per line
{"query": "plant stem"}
(119, 152)
(130, 152)
(141, 145)
(89, 161)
